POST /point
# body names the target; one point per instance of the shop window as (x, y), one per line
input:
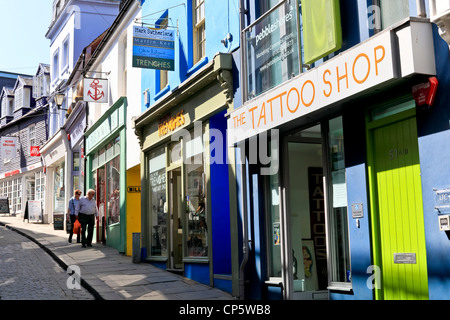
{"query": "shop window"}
(59, 188)
(274, 223)
(76, 161)
(158, 205)
(197, 224)
(40, 185)
(337, 208)
(16, 195)
(113, 189)
(9, 192)
(199, 30)
(31, 187)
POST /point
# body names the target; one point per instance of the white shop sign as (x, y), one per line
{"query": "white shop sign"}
(365, 66)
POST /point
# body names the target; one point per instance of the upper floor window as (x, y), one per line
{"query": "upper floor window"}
(57, 6)
(55, 66)
(272, 52)
(41, 85)
(18, 99)
(9, 108)
(199, 30)
(4, 106)
(22, 97)
(163, 74)
(32, 135)
(65, 55)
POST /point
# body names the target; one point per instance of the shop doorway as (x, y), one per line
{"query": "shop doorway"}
(175, 214)
(304, 206)
(396, 203)
(100, 191)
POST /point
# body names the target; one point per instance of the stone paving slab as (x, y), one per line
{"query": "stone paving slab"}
(109, 275)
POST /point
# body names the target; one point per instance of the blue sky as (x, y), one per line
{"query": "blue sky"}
(23, 25)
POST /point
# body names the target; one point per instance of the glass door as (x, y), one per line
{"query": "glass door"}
(305, 215)
(101, 204)
(176, 227)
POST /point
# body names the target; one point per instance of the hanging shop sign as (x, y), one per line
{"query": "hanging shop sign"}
(95, 90)
(424, 93)
(8, 147)
(34, 151)
(153, 48)
(364, 67)
(170, 123)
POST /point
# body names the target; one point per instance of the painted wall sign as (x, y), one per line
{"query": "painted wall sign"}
(77, 132)
(361, 68)
(442, 199)
(170, 123)
(8, 147)
(95, 90)
(317, 218)
(106, 127)
(134, 189)
(153, 48)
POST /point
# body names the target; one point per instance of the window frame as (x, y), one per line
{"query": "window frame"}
(329, 224)
(65, 53)
(55, 66)
(18, 98)
(32, 135)
(199, 29)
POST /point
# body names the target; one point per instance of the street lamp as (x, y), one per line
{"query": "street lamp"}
(59, 99)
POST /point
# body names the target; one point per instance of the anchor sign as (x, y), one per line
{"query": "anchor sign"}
(95, 90)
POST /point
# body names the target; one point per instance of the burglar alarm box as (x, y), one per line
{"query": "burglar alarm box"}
(444, 223)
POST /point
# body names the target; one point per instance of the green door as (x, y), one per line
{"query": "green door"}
(396, 207)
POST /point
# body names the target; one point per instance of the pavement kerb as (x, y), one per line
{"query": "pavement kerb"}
(103, 286)
(62, 264)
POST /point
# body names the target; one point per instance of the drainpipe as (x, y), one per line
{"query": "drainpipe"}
(243, 174)
(245, 241)
(421, 11)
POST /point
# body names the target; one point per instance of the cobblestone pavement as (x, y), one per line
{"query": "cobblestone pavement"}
(27, 272)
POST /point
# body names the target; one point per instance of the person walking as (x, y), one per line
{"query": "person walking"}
(87, 210)
(73, 202)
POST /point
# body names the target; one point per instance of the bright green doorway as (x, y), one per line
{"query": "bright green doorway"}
(396, 203)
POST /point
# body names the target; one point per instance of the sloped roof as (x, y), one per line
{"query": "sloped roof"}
(26, 81)
(6, 91)
(43, 67)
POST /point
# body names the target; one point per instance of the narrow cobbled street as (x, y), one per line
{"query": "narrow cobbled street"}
(27, 272)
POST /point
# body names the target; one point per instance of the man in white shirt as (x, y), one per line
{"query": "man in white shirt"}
(87, 210)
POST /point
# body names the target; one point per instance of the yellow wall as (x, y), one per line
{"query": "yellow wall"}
(133, 206)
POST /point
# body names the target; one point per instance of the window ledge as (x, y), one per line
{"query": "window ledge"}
(197, 66)
(156, 259)
(162, 92)
(196, 260)
(340, 287)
